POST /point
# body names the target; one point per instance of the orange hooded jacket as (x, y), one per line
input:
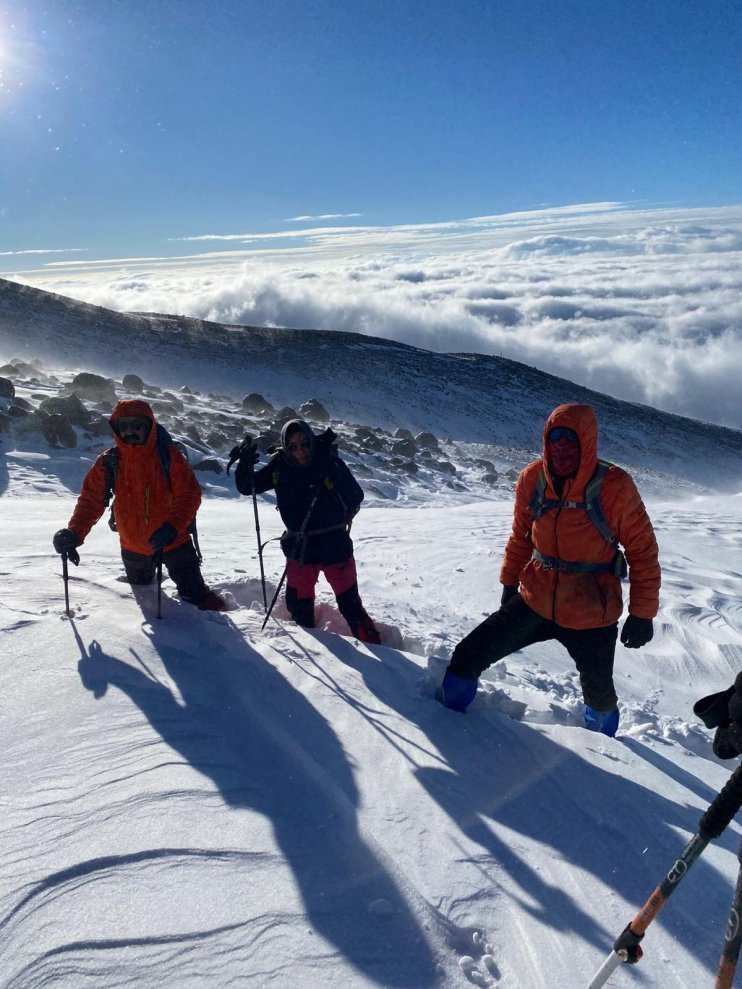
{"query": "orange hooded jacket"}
(581, 600)
(144, 497)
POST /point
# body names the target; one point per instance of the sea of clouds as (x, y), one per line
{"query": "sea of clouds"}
(645, 305)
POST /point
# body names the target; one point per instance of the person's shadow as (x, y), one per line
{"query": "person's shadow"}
(497, 777)
(243, 726)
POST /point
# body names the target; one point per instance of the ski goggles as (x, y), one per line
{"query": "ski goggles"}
(561, 433)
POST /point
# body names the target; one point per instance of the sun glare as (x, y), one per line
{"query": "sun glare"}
(12, 62)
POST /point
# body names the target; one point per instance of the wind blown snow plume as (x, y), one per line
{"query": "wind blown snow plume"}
(643, 305)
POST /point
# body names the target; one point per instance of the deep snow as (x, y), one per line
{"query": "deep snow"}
(192, 802)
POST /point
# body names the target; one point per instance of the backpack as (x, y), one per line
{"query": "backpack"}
(539, 505)
(111, 465)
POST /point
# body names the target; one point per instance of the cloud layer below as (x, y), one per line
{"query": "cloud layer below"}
(645, 305)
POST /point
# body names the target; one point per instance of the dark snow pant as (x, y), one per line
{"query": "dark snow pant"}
(301, 580)
(516, 626)
(182, 566)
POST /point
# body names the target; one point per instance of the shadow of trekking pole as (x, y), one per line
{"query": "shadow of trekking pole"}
(719, 814)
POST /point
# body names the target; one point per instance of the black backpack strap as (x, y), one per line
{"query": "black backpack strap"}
(110, 465)
(539, 505)
(593, 506)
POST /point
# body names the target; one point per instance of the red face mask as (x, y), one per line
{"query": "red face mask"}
(563, 456)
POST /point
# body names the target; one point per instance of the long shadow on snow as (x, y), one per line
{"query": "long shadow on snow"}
(502, 772)
(266, 748)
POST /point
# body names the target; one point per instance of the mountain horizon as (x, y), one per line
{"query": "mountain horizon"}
(492, 402)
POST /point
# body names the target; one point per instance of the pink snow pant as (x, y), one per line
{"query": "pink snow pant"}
(303, 577)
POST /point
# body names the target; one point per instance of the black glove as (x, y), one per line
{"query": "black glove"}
(65, 541)
(508, 591)
(325, 443)
(725, 746)
(723, 711)
(636, 632)
(246, 455)
(162, 537)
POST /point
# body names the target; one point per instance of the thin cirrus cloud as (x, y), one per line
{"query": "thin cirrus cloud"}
(645, 305)
(321, 216)
(45, 250)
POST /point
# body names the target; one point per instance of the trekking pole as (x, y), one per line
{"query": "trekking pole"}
(234, 455)
(158, 565)
(732, 937)
(66, 579)
(299, 552)
(275, 597)
(260, 545)
(719, 814)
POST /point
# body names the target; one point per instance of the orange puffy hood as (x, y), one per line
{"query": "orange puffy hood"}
(584, 422)
(127, 408)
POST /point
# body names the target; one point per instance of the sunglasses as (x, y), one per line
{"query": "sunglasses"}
(301, 445)
(561, 433)
(131, 425)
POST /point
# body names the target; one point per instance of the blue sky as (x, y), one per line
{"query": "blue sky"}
(127, 124)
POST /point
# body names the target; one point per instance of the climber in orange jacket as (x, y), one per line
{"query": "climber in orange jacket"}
(155, 503)
(562, 569)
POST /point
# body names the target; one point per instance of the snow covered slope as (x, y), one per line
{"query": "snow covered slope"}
(192, 802)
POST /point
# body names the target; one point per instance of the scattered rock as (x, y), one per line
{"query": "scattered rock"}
(99, 427)
(171, 402)
(283, 415)
(368, 438)
(315, 410)
(94, 387)
(427, 440)
(19, 369)
(57, 430)
(133, 383)
(218, 440)
(209, 464)
(405, 447)
(7, 388)
(69, 407)
(256, 404)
